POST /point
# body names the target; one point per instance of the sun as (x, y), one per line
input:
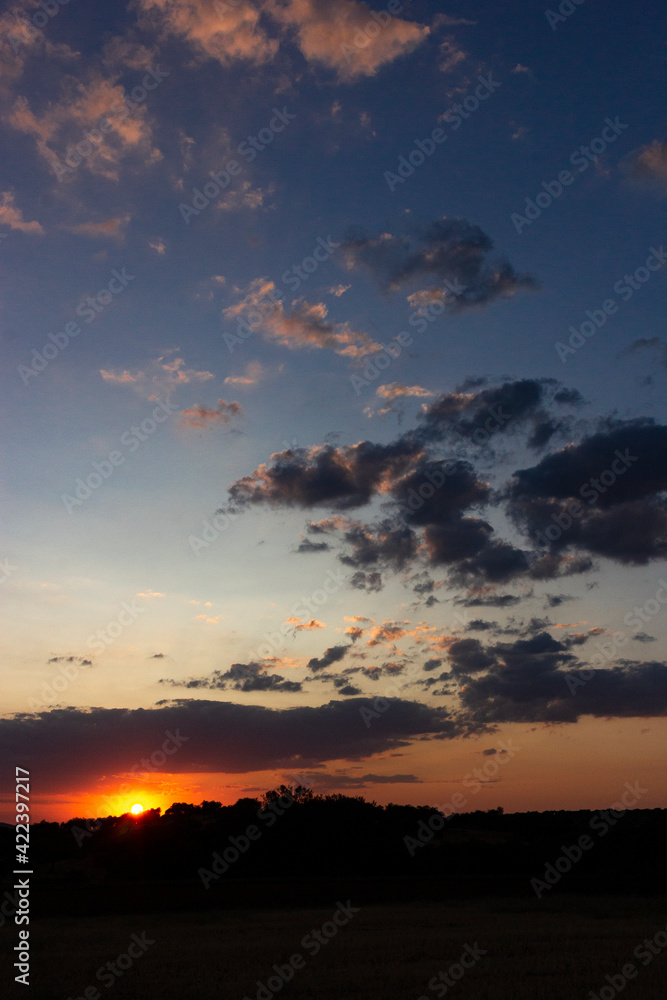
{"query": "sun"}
(137, 809)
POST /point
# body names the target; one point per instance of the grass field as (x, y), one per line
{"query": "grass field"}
(555, 949)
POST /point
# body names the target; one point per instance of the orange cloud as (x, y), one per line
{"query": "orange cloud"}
(206, 416)
(345, 37)
(161, 377)
(111, 229)
(12, 216)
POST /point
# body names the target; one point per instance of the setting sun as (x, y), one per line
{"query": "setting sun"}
(137, 809)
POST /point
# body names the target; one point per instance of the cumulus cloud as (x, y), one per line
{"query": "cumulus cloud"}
(453, 255)
(617, 479)
(340, 478)
(207, 416)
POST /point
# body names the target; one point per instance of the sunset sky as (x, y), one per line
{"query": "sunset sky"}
(311, 434)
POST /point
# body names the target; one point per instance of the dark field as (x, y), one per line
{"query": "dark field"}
(554, 949)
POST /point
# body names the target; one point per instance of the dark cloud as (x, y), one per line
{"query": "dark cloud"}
(491, 600)
(72, 748)
(450, 259)
(521, 405)
(479, 625)
(71, 659)
(307, 546)
(555, 600)
(540, 680)
(432, 664)
(644, 637)
(339, 478)
(370, 582)
(617, 479)
(644, 344)
(383, 545)
(240, 677)
(331, 655)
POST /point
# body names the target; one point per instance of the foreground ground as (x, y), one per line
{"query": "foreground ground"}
(558, 948)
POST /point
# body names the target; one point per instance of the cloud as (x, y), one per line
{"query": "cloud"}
(240, 677)
(331, 655)
(221, 31)
(305, 326)
(538, 680)
(66, 122)
(452, 253)
(12, 216)
(245, 196)
(71, 659)
(333, 35)
(309, 626)
(649, 164)
(396, 390)
(161, 376)
(206, 416)
(618, 479)
(255, 372)
(341, 478)
(110, 229)
(71, 748)
(342, 35)
(647, 343)
(474, 413)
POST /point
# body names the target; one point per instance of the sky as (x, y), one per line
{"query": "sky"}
(333, 388)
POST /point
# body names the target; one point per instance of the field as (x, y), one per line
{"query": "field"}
(559, 948)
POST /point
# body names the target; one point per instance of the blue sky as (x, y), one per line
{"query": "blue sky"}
(351, 102)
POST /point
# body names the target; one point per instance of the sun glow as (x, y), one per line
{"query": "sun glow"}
(137, 809)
